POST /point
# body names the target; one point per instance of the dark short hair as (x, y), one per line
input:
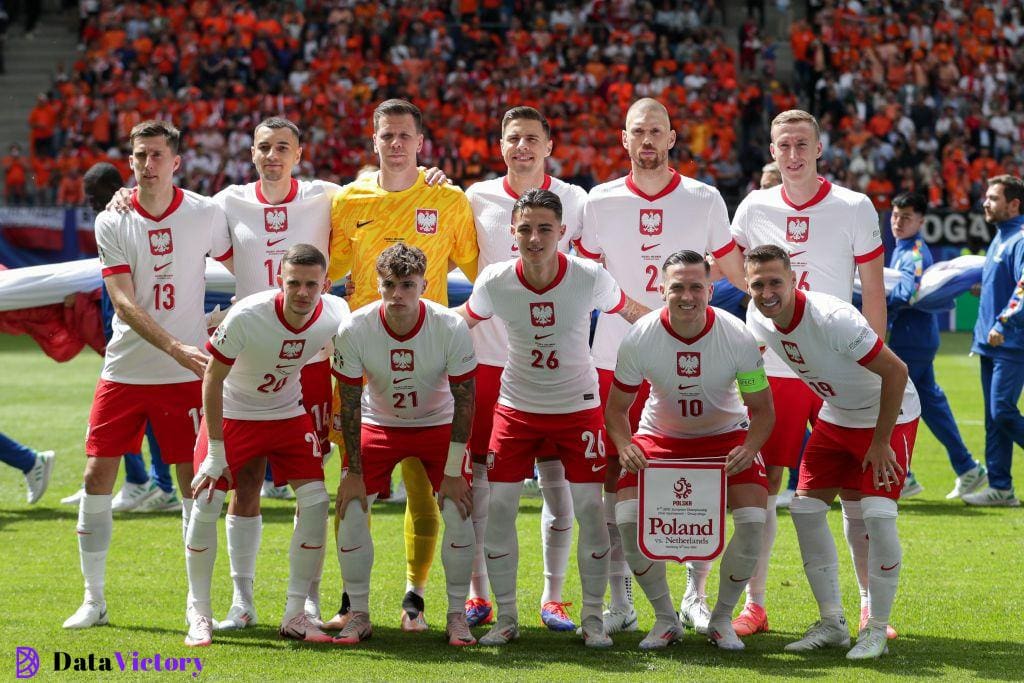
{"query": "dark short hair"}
(914, 201)
(397, 107)
(527, 113)
(767, 253)
(401, 260)
(100, 183)
(157, 129)
(304, 255)
(537, 198)
(278, 122)
(685, 257)
(1013, 188)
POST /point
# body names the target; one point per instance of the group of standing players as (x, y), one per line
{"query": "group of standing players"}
(468, 399)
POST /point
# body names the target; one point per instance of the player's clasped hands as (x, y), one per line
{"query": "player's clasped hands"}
(352, 487)
(883, 464)
(457, 490)
(632, 458)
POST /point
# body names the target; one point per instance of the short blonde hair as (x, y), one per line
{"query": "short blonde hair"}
(797, 116)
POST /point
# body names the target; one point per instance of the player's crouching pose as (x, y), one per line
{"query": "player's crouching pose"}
(418, 360)
(860, 447)
(548, 392)
(252, 400)
(694, 412)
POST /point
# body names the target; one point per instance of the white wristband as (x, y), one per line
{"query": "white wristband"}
(456, 456)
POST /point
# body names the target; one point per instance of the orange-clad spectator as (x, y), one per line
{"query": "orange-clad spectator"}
(984, 167)
(15, 177)
(42, 178)
(687, 165)
(800, 38)
(880, 190)
(42, 121)
(70, 191)
(880, 125)
(957, 196)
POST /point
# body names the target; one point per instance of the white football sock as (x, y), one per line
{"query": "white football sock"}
(884, 557)
(186, 514)
(244, 536)
(555, 527)
(757, 587)
(457, 551)
(621, 598)
(201, 550)
(481, 498)
(95, 527)
(307, 546)
(697, 572)
(355, 554)
(592, 548)
(818, 550)
(857, 539)
(649, 574)
(501, 545)
(739, 559)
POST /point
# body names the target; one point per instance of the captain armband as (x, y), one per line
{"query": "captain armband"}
(752, 381)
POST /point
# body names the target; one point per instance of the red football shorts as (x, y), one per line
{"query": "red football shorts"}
(291, 446)
(604, 385)
(834, 456)
(795, 406)
(385, 447)
(117, 420)
(488, 384)
(316, 397)
(518, 436)
(699, 449)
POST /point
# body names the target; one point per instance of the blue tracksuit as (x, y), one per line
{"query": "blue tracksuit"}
(914, 337)
(1002, 367)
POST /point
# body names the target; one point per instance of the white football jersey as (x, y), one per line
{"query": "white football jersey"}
(635, 233)
(266, 354)
(492, 202)
(693, 381)
(827, 344)
(407, 376)
(166, 257)
(261, 232)
(549, 369)
(826, 238)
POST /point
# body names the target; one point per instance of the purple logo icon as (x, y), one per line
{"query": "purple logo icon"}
(27, 660)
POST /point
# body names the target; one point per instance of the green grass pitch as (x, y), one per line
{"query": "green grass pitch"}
(958, 609)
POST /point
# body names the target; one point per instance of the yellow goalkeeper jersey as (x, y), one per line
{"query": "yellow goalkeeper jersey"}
(366, 220)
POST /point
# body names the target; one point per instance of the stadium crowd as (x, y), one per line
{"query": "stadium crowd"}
(912, 96)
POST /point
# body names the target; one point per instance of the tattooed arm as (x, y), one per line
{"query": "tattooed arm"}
(454, 485)
(351, 486)
(633, 310)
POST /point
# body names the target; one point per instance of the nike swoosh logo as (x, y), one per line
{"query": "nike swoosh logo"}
(360, 224)
(311, 547)
(282, 367)
(399, 380)
(601, 556)
(888, 569)
(797, 253)
(197, 550)
(646, 570)
(459, 547)
(157, 269)
(84, 533)
(496, 557)
(598, 468)
(348, 550)
(555, 528)
(648, 247)
(538, 337)
(735, 580)
(802, 372)
(271, 243)
(684, 387)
